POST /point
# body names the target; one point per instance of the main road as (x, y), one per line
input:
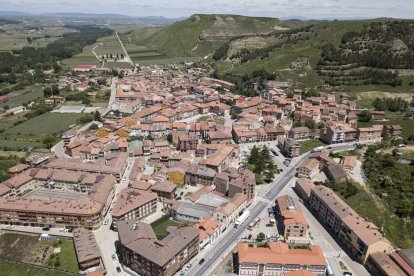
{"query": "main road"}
(232, 236)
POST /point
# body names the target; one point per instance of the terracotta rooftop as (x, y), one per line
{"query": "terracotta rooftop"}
(131, 199)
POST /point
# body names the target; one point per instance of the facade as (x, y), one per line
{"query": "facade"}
(133, 204)
(228, 213)
(279, 259)
(290, 147)
(292, 220)
(199, 175)
(144, 253)
(338, 133)
(393, 131)
(210, 230)
(232, 181)
(87, 250)
(299, 133)
(309, 169)
(56, 208)
(369, 134)
(362, 238)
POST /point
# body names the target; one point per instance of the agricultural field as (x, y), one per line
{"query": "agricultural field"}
(46, 124)
(29, 94)
(29, 249)
(86, 57)
(407, 125)
(17, 39)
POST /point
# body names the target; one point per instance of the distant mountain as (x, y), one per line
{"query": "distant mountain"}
(87, 15)
(13, 13)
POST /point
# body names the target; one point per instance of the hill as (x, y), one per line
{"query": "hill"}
(200, 35)
(363, 55)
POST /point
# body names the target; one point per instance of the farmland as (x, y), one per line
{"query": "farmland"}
(29, 94)
(45, 124)
(19, 269)
(407, 125)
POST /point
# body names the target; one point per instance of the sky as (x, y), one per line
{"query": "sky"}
(311, 9)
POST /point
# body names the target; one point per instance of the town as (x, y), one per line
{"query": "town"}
(177, 175)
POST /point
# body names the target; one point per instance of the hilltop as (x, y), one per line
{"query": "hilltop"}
(200, 35)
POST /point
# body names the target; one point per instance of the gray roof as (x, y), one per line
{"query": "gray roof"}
(407, 255)
(142, 240)
(212, 200)
(85, 245)
(194, 210)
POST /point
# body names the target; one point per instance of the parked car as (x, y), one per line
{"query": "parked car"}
(329, 147)
(187, 268)
(118, 269)
(201, 261)
(8, 226)
(347, 273)
(45, 228)
(106, 222)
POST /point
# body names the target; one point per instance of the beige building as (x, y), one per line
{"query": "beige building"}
(133, 204)
(290, 147)
(228, 213)
(293, 222)
(279, 259)
(361, 237)
(309, 169)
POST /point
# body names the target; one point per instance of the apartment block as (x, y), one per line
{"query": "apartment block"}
(292, 221)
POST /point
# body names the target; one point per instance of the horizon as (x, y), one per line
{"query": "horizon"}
(305, 9)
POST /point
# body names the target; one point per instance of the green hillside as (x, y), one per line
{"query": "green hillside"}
(200, 35)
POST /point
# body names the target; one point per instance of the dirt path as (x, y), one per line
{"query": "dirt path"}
(125, 51)
(97, 57)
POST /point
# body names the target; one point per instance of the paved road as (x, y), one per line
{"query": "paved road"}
(125, 51)
(112, 97)
(233, 235)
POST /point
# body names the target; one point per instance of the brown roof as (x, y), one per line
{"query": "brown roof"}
(279, 253)
(142, 240)
(290, 210)
(18, 168)
(141, 185)
(131, 199)
(165, 186)
(85, 245)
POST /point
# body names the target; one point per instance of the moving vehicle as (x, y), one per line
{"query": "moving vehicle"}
(242, 219)
(317, 149)
(201, 261)
(253, 224)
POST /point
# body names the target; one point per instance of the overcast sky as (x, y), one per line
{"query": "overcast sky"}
(179, 8)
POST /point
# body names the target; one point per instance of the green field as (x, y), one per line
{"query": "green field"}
(68, 260)
(310, 144)
(29, 94)
(17, 39)
(19, 269)
(86, 57)
(46, 124)
(400, 233)
(407, 125)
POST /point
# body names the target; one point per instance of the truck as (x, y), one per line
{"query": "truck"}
(242, 219)
(317, 149)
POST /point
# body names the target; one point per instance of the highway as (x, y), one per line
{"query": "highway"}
(232, 235)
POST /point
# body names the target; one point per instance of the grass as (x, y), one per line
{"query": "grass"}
(160, 226)
(369, 206)
(19, 269)
(19, 144)
(46, 124)
(407, 125)
(310, 144)
(67, 256)
(23, 96)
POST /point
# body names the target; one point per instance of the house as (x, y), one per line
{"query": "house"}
(393, 131)
(338, 133)
(164, 190)
(228, 213)
(309, 169)
(369, 134)
(210, 230)
(349, 163)
(290, 147)
(299, 133)
(292, 222)
(86, 248)
(378, 115)
(335, 172)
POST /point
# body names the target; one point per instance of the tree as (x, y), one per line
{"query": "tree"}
(97, 116)
(365, 116)
(289, 95)
(311, 124)
(47, 92)
(261, 236)
(48, 141)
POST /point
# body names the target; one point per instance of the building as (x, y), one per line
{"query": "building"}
(87, 250)
(349, 163)
(393, 131)
(228, 213)
(199, 175)
(361, 237)
(290, 147)
(309, 169)
(210, 229)
(338, 133)
(381, 264)
(369, 134)
(133, 204)
(279, 259)
(164, 190)
(335, 172)
(60, 208)
(144, 253)
(232, 181)
(299, 133)
(303, 188)
(293, 222)
(404, 258)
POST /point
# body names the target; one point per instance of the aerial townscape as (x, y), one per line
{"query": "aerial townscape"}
(206, 144)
